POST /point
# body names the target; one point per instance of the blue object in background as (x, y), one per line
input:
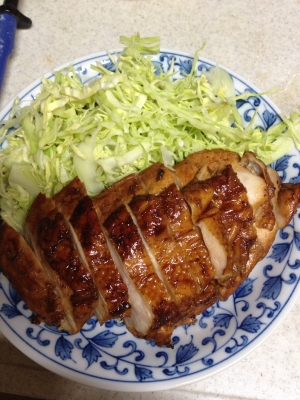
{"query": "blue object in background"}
(8, 25)
(10, 20)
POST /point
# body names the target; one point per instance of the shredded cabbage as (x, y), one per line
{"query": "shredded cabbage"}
(121, 123)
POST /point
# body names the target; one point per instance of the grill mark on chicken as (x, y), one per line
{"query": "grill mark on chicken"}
(188, 238)
(143, 217)
(207, 164)
(260, 192)
(162, 303)
(82, 220)
(151, 212)
(179, 224)
(128, 243)
(160, 174)
(113, 292)
(53, 244)
(146, 315)
(140, 312)
(228, 217)
(155, 178)
(21, 266)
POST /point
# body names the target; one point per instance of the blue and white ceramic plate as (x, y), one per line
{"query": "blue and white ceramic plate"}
(109, 357)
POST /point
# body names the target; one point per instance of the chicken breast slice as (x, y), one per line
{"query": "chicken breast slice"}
(227, 221)
(105, 204)
(166, 224)
(179, 222)
(21, 266)
(253, 175)
(234, 204)
(266, 195)
(48, 234)
(113, 294)
(134, 260)
(156, 303)
(202, 166)
(89, 240)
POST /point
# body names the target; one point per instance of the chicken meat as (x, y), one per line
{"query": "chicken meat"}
(157, 248)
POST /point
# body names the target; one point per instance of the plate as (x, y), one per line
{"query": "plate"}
(109, 357)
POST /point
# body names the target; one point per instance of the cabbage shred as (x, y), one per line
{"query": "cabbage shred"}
(121, 123)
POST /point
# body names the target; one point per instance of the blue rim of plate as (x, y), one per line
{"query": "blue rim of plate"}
(109, 357)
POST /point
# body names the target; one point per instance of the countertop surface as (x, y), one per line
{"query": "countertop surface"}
(258, 40)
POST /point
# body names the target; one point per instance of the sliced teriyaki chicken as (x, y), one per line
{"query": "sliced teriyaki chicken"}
(20, 265)
(83, 223)
(226, 223)
(165, 222)
(152, 308)
(225, 196)
(48, 234)
(113, 293)
(167, 243)
(265, 193)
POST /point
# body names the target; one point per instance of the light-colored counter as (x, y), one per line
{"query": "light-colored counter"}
(260, 41)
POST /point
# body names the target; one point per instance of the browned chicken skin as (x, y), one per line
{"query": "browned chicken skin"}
(84, 225)
(157, 248)
(113, 293)
(47, 232)
(21, 266)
